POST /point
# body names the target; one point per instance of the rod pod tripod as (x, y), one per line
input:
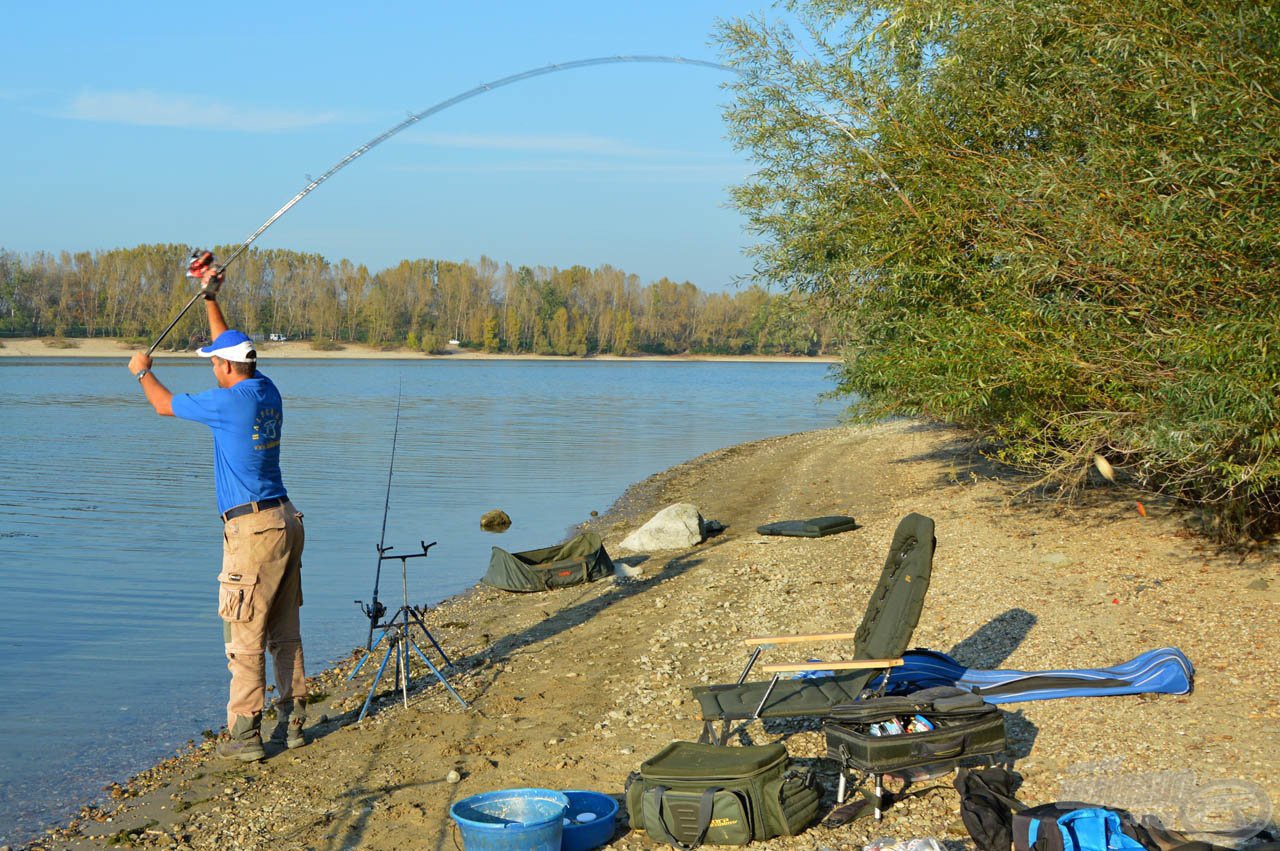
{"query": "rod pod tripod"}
(397, 632)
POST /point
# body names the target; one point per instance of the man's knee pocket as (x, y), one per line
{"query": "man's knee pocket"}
(237, 646)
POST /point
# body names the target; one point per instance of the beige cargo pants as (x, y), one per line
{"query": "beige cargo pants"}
(260, 592)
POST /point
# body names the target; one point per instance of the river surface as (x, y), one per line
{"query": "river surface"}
(110, 645)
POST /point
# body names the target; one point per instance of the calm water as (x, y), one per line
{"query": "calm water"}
(109, 541)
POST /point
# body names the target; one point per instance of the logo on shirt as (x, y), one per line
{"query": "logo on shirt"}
(266, 429)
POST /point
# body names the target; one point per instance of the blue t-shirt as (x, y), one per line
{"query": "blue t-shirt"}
(247, 421)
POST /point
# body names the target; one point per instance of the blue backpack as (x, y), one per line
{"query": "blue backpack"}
(1073, 827)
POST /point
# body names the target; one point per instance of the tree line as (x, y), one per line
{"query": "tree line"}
(1054, 223)
(422, 304)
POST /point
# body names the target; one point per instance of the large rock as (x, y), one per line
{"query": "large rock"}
(673, 528)
(495, 520)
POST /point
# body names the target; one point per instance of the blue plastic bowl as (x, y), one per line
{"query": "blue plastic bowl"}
(511, 820)
(593, 832)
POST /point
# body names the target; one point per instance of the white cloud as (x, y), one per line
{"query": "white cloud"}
(155, 109)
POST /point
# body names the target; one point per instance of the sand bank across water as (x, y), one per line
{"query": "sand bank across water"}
(99, 347)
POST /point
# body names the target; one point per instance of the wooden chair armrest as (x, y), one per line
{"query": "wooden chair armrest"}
(859, 664)
(797, 639)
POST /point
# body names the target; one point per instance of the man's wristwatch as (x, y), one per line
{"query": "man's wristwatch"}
(141, 373)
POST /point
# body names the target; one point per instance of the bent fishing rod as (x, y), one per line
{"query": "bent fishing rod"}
(202, 261)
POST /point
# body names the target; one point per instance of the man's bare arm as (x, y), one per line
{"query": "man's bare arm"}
(217, 324)
(160, 397)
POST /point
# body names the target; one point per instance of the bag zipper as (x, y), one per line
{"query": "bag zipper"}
(724, 777)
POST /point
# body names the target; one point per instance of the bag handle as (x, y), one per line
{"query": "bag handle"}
(660, 830)
(1012, 803)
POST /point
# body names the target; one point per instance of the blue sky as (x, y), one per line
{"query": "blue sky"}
(127, 123)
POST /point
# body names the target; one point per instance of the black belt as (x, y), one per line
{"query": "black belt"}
(252, 507)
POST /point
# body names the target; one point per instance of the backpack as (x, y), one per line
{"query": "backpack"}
(1069, 826)
(997, 821)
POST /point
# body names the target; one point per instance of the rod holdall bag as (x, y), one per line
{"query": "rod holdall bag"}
(690, 794)
(1072, 826)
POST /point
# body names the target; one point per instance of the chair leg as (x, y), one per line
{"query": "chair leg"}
(763, 700)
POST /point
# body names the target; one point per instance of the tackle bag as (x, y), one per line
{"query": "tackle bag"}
(961, 725)
(1069, 826)
(690, 794)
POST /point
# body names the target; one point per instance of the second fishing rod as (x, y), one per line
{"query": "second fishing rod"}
(375, 609)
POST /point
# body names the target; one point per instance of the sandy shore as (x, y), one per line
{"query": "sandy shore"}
(575, 688)
(98, 347)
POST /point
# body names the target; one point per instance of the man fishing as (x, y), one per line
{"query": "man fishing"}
(260, 584)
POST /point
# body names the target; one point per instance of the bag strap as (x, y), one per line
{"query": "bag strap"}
(660, 831)
(1012, 803)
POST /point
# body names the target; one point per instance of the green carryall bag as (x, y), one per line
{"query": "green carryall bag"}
(690, 794)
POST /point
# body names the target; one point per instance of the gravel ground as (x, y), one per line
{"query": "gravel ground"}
(575, 688)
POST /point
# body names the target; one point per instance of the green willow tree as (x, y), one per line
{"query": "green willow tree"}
(1053, 222)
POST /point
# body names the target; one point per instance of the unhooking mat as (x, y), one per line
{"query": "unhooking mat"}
(816, 527)
(1163, 671)
(581, 559)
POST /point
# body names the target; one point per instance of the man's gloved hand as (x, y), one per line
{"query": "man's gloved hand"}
(211, 282)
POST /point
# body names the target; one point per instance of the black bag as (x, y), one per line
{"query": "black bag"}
(997, 821)
(963, 725)
(694, 793)
(987, 804)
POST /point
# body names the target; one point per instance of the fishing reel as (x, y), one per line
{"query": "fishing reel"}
(373, 611)
(200, 263)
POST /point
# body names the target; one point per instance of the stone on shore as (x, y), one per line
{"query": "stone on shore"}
(673, 528)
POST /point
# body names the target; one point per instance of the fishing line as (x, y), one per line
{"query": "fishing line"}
(426, 113)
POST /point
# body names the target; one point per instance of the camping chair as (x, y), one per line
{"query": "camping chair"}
(878, 645)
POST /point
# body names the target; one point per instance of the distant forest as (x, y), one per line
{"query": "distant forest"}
(422, 304)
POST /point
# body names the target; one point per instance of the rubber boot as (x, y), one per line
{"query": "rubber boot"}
(290, 716)
(245, 743)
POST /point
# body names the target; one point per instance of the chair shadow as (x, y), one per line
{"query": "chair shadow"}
(989, 647)
(994, 641)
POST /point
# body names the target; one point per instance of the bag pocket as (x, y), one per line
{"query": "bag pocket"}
(791, 805)
(564, 574)
(236, 596)
(687, 819)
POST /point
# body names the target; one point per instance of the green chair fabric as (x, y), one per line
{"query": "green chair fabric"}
(887, 625)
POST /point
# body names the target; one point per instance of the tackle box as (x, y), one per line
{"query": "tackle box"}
(962, 726)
